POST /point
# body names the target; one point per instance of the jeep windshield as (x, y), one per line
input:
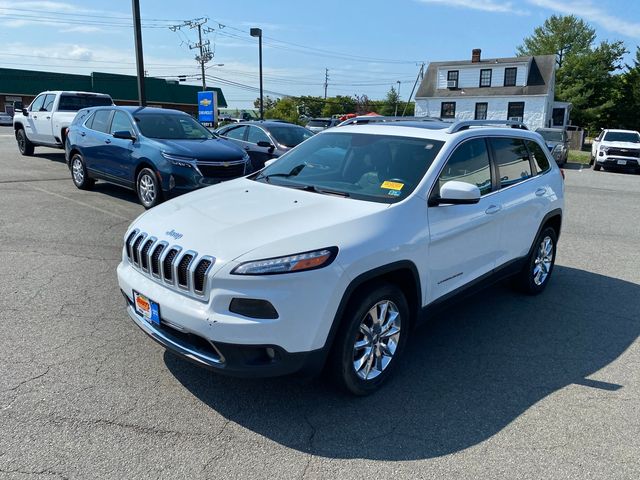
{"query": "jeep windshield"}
(630, 137)
(167, 126)
(380, 168)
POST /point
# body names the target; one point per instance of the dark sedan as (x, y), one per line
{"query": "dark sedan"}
(264, 140)
(158, 153)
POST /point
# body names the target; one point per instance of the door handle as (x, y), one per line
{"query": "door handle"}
(107, 141)
(247, 147)
(82, 134)
(541, 191)
(493, 209)
(48, 118)
(35, 116)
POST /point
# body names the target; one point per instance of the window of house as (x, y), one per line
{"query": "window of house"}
(512, 158)
(485, 77)
(515, 111)
(469, 163)
(481, 111)
(448, 110)
(510, 75)
(540, 160)
(452, 76)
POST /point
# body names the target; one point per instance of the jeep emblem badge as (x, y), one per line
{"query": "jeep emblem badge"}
(174, 234)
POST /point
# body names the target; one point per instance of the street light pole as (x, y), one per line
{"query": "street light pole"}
(137, 33)
(398, 98)
(257, 32)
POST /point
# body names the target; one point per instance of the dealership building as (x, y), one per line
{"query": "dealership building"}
(23, 85)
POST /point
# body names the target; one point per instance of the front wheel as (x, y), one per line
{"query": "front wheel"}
(536, 273)
(79, 173)
(596, 167)
(24, 145)
(148, 188)
(372, 336)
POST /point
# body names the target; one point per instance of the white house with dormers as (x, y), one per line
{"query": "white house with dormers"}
(518, 88)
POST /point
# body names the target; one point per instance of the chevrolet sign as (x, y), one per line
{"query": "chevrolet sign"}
(207, 106)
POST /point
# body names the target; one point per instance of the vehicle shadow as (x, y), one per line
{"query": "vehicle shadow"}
(116, 191)
(54, 156)
(575, 166)
(464, 377)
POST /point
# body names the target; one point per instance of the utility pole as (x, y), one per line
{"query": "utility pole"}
(326, 82)
(419, 77)
(137, 34)
(205, 55)
(397, 99)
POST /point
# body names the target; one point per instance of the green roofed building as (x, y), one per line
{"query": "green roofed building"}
(24, 85)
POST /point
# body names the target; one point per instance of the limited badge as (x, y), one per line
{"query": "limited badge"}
(392, 185)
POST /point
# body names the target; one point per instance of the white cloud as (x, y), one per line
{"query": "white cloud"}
(588, 11)
(83, 29)
(482, 5)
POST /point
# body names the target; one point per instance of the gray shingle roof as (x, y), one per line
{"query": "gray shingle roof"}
(538, 82)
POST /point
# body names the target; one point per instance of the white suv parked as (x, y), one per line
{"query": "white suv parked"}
(616, 149)
(330, 255)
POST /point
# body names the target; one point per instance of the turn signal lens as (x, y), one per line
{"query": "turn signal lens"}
(291, 263)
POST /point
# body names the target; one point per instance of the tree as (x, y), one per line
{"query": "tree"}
(268, 102)
(628, 96)
(560, 35)
(338, 105)
(284, 109)
(391, 103)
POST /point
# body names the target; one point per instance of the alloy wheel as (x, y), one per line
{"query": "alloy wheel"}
(77, 171)
(147, 189)
(377, 340)
(543, 261)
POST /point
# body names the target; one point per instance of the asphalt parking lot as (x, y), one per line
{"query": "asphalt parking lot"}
(501, 386)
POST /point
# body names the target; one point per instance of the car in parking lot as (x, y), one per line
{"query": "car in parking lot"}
(160, 153)
(619, 149)
(329, 256)
(557, 142)
(264, 140)
(6, 119)
(318, 124)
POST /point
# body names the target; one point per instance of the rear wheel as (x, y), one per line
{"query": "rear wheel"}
(79, 173)
(536, 273)
(371, 338)
(24, 145)
(148, 188)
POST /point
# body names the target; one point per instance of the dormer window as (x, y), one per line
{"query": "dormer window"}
(485, 77)
(452, 79)
(510, 75)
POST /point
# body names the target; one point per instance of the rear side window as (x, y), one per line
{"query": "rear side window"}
(101, 121)
(73, 103)
(540, 160)
(512, 158)
(469, 163)
(48, 103)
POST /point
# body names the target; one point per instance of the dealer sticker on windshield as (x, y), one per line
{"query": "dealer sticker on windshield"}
(146, 308)
(392, 185)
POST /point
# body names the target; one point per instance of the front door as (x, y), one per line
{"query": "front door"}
(259, 154)
(120, 162)
(32, 124)
(463, 238)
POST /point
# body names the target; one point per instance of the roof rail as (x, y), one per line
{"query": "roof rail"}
(466, 124)
(366, 119)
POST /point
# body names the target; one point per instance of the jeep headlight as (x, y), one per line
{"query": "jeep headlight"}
(298, 262)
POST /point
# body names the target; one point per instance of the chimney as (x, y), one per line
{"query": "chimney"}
(475, 55)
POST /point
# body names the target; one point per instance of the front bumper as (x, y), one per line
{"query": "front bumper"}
(630, 163)
(229, 359)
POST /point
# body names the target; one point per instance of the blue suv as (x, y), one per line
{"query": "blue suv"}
(158, 153)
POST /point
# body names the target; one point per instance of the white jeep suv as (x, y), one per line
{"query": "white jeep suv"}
(329, 256)
(616, 149)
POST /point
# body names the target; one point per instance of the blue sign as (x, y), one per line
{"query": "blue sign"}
(207, 107)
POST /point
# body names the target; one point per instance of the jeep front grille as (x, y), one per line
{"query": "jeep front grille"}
(169, 264)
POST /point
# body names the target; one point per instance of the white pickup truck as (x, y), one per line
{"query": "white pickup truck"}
(45, 121)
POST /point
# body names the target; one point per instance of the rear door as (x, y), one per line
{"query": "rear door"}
(463, 238)
(97, 142)
(44, 123)
(522, 195)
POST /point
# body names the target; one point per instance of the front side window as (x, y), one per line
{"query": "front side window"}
(512, 158)
(121, 123)
(510, 75)
(481, 111)
(515, 111)
(485, 77)
(378, 168)
(257, 135)
(236, 133)
(540, 160)
(101, 121)
(48, 103)
(448, 110)
(469, 163)
(37, 103)
(171, 127)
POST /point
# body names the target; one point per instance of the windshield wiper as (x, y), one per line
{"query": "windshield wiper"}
(324, 191)
(295, 171)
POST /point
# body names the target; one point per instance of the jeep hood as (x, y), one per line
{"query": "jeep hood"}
(232, 218)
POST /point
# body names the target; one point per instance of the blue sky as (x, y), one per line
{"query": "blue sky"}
(367, 45)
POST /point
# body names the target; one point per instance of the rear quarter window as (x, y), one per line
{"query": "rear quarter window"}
(512, 158)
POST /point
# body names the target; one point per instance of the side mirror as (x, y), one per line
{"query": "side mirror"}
(124, 135)
(265, 144)
(269, 162)
(456, 193)
(25, 112)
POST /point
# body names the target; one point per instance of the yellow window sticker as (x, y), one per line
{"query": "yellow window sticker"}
(392, 185)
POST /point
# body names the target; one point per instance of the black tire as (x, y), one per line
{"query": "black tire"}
(596, 167)
(24, 145)
(527, 281)
(148, 188)
(341, 362)
(79, 173)
(592, 160)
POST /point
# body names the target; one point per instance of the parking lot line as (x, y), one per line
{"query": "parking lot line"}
(115, 215)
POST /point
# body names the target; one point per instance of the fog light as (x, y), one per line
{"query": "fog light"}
(253, 308)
